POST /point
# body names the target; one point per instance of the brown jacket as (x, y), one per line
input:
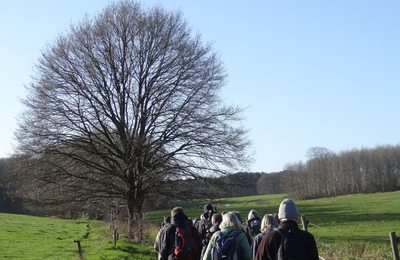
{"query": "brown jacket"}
(271, 241)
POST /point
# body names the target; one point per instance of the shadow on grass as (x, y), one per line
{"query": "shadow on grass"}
(355, 239)
(323, 214)
(131, 248)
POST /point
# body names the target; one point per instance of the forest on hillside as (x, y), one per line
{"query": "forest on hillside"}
(324, 174)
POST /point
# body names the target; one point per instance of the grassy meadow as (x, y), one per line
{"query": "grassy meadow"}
(28, 237)
(345, 227)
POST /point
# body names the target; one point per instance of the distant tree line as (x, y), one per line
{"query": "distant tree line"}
(7, 204)
(324, 174)
(327, 174)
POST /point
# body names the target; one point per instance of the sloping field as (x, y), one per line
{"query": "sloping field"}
(345, 227)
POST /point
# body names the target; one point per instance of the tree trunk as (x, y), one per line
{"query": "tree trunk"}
(135, 219)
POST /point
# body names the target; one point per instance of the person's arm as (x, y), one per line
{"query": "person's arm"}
(197, 239)
(244, 247)
(210, 246)
(157, 242)
(165, 243)
(254, 246)
(313, 248)
(248, 234)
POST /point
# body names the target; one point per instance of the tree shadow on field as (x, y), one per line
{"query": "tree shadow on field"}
(132, 248)
(324, 214)
(356, 239)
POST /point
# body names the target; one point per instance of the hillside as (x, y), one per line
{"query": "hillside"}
(345, 227)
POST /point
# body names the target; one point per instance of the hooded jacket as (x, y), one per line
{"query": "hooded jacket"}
(167, 236)
(241, 242)
(250, 232)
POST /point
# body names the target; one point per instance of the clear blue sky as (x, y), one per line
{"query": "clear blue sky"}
(310, 73)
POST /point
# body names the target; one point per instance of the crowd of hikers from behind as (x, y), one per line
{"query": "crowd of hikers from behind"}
(217, 236)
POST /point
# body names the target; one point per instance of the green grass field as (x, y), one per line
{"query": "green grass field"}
(345, 227)
(27, 237)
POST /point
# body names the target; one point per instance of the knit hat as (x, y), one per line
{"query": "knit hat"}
(287, 210)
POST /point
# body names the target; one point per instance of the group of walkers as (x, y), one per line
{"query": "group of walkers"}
(216, 236)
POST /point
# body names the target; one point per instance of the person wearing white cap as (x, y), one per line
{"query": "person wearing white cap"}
(287, 241)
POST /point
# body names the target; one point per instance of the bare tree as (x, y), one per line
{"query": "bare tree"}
(326, 174)
(125, 102)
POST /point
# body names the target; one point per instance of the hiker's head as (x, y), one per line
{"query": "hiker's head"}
(230, 220)
(267, 222)
(176, 211)
(208, 212)
(216, 218)
(287, 210)
(167, 220)
(252, 215)
(208, 207)
(237, 213)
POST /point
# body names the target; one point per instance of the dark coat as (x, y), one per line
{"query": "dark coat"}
(269, 245)
(167, 236)
(257, 240)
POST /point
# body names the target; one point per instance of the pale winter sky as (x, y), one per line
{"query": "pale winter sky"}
(310, 73)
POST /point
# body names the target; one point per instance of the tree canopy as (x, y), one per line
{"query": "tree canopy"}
(123, 103)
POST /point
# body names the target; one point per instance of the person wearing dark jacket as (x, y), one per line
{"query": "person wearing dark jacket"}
(204, 225)
(267, 225)
(271, 241)
(164, 225)
(167, 236)
(253, 226)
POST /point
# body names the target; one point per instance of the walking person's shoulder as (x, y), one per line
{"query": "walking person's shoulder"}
(305, 235)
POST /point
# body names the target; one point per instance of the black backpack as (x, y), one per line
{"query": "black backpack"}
(291, 247)
(225, 246)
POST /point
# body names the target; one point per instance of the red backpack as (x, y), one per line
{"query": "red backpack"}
(186, 247)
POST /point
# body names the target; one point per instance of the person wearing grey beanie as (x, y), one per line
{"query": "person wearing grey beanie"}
(287, 210)
(287, 240)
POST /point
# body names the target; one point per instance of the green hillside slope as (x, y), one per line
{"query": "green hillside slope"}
(345, 227)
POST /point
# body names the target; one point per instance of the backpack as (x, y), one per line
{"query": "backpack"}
(291, 248)
(186, 247)
(225, 246)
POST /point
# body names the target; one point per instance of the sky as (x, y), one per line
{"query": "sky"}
(309, 73)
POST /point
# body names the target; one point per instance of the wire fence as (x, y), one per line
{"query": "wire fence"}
(394, 240)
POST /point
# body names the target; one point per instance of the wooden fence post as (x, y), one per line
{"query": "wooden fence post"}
(394, 240)
(79, 247)
(304, 222)
(112, 217)
(115, 236)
